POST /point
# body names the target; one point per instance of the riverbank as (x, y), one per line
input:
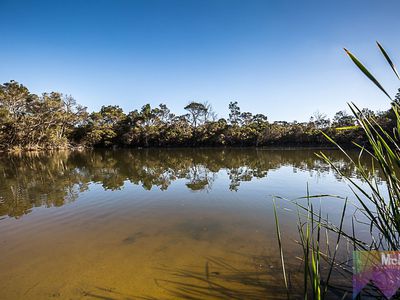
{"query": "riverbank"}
(61, 122)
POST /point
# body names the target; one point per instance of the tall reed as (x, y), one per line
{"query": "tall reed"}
(379, 207)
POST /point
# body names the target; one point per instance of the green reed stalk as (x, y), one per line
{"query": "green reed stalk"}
(309, 226)
(381, 211)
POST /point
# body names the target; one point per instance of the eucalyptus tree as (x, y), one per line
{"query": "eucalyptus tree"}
(343, 119)
(320, 120)
(196, 111)
(31, 121)
(103, 126)
(209, 114)
(246, 118)
(13, 100)
(150, 119)
(234, 113)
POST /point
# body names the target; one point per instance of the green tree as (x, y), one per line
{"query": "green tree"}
(234, 113)
(342, 119)
(103, 126)
(197, 111)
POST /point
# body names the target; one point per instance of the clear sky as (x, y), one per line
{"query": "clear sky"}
(280, 58)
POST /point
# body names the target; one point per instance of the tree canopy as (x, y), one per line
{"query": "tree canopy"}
(54, 120)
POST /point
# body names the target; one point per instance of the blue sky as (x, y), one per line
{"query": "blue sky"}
(280, 58)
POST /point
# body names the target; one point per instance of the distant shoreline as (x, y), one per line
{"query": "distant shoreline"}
(52, 121)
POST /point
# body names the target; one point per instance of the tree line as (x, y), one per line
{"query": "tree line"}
(57, 121)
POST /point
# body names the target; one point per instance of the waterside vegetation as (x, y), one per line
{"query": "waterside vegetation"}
(55, 121)
(376, 211)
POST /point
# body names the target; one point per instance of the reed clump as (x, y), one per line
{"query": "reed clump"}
(377, 206)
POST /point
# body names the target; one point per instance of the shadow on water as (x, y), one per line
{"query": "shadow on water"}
(221, 280)
(218, 279)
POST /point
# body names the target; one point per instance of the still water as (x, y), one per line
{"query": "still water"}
(154, 223)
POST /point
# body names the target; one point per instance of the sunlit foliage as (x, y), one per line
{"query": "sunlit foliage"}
(56, 121)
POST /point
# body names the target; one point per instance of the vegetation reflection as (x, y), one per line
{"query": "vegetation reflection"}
(38, 179)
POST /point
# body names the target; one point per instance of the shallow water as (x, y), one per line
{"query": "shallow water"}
(154, 224)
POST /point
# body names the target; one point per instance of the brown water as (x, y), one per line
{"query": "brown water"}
(154, 224)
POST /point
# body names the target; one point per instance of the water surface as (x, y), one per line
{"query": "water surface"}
(154, 223)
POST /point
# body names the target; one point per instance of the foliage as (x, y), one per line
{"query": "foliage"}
(31, 121)
(53, 121)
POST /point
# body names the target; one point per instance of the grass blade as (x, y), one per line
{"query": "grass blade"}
(278, 233)
(388, 59)
(366, 72)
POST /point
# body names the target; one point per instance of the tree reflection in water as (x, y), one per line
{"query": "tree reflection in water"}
(52, 179)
